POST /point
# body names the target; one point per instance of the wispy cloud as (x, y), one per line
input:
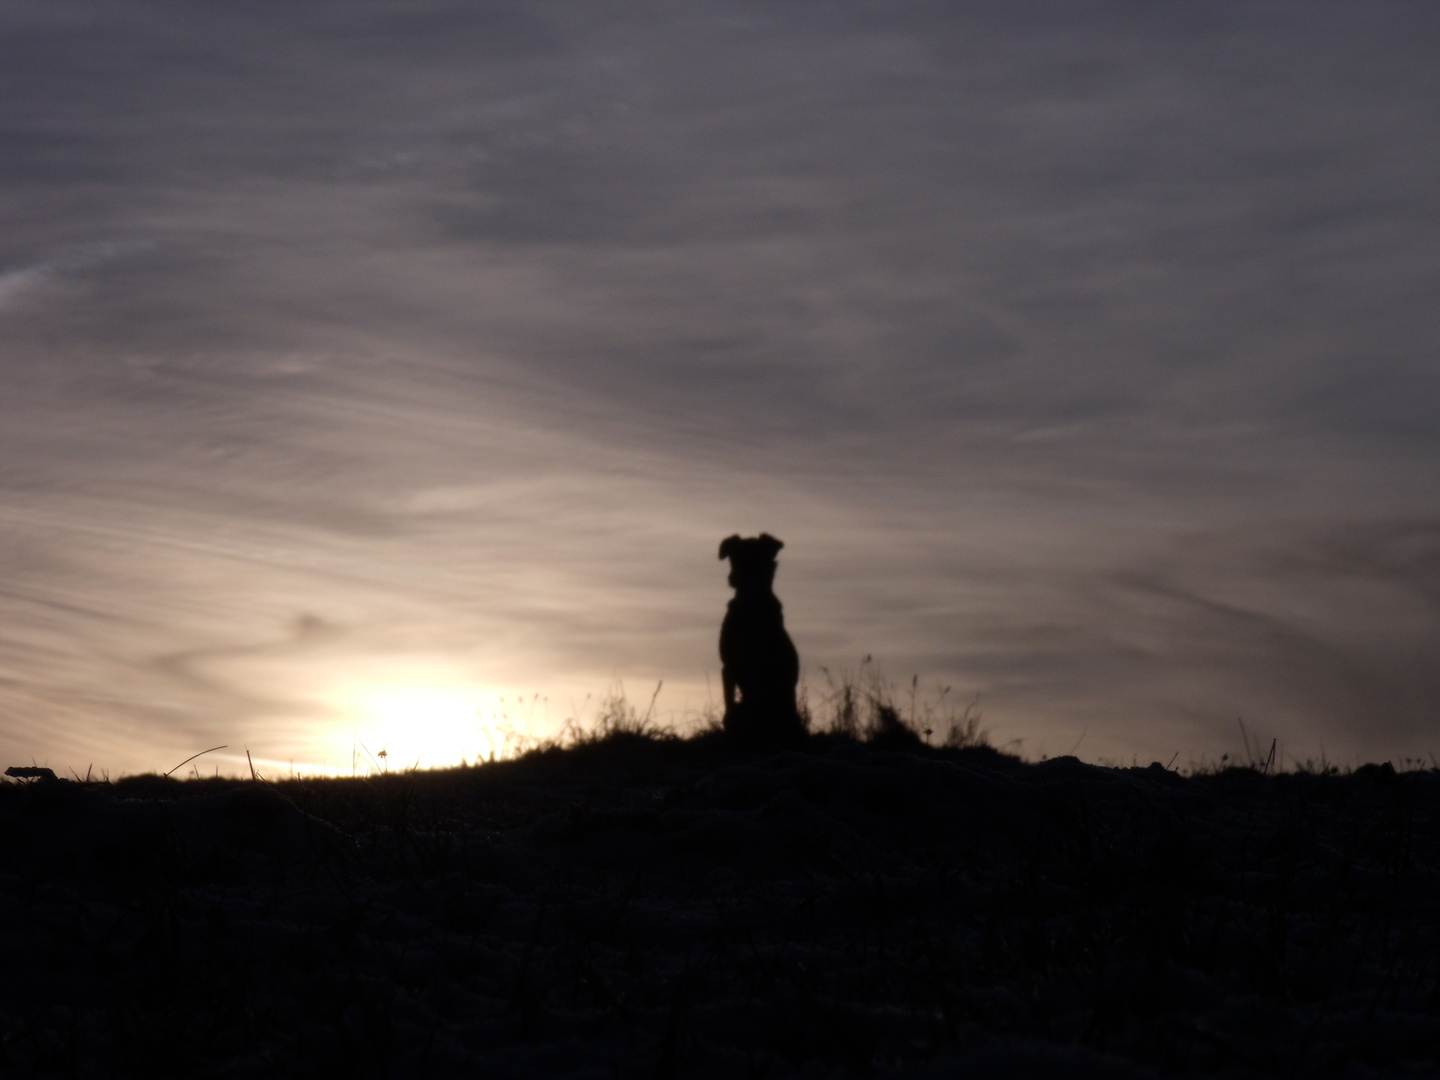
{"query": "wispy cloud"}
(1083, 359)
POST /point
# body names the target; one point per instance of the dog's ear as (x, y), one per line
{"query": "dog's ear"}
(772, 546)
(727, 545)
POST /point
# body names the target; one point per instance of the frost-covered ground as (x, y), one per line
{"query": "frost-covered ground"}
(653, 908)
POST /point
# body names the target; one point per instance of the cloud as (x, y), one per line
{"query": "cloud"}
(1040, 336)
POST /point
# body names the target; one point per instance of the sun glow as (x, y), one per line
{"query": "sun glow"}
(402, 723)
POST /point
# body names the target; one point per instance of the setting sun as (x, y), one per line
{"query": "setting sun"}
(429, 722)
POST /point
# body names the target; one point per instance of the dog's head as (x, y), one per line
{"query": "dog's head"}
(752, 560)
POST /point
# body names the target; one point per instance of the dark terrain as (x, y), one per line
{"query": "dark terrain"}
(641, 906)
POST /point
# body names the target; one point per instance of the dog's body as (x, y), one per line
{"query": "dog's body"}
(759, 665)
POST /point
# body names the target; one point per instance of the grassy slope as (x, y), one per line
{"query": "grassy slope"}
(640, 905)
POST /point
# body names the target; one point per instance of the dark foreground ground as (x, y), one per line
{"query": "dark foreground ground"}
(645, 908)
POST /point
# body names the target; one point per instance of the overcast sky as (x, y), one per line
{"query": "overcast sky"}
(363, 364)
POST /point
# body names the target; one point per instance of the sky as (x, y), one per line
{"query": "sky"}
(385, 375)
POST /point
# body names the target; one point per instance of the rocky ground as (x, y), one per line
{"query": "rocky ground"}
(653, 907)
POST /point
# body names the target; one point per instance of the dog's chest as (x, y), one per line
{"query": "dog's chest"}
(752, 622)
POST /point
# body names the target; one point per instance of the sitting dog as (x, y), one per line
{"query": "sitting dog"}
(759, 665)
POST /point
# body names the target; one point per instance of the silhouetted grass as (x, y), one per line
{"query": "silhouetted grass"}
(624, 901)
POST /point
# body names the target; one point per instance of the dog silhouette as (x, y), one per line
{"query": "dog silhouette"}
(759, 666)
